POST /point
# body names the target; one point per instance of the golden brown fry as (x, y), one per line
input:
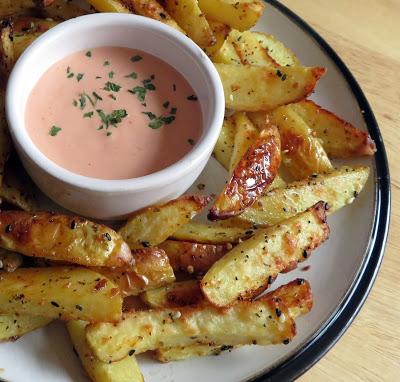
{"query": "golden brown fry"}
(114, 6)
(62, 237)
(193, 258)
(339, 138)
(14, 326)
(60, 292)
(151, 269)
(253, 174)
(247, 268)
(148, 227)
(254, 88)
(224, 147)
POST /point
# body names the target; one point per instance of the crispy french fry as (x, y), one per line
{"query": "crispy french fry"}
(62, 237)
(148, 330)
(246, 269)
(148, 227)
(60, 292)
(339, 138)
(9, 261)
(151, 269)
(192, 20)
(114, 6)
(253, 174)
(239, 14)
(14, 326)
(193, 258)
(225, 143)
(154, 10)
(122, 371)
(338, 189)
(254, 88)
(220, 32)
(280, 53)
(211, 234)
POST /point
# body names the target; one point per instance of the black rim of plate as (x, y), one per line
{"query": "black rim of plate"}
(333, 329)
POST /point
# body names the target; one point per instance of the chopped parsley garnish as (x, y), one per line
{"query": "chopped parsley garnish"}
(148, 85)
(68, 69)
(149, 114)
(106, 63)
(54, 130)
(112, 96)
(157, 122)
(70, 75)
(89, 53)
(132, 75)
(111, 74)
(75, 102)
(166, 104)
(88, 115)
(136, 58)
(115, 117)
(168, 120)
(111, 86)
(140, 92)
(79, 76)
(191, 141)
(173, 110)
(192, 98)
(98, 77)
(95, 95)
(89, 98)
(82, 101)
(108, 133)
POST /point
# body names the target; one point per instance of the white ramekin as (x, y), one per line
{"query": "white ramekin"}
(111, 199)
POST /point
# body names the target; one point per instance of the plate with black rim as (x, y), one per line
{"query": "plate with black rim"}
(341, 272)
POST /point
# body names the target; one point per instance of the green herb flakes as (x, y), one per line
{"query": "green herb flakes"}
(54, 130)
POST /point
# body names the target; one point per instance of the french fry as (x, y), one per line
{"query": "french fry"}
(154, 10)
(239, 14)
(151, 269)
(220, 32)
(253, 174)
(193, 258)
(192, 20)
(148, 227)
(254, 88)
(62, 237)
(245, 270)
(224, 147)
(14, 326)
(339, 138)
(122, 371)
(211, 234)
(302, 153)
(148, 330)
(60, 292)
(9, 261)
(338, 189)
(114, 6)
(280, 53)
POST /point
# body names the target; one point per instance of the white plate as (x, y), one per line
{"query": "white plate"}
(341, 272)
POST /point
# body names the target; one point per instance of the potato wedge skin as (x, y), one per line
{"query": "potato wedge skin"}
(337, 188)
(149, 330)
(224, 147)
(151, 269)
(14, 326)
(193, 258)
(339, 138)
(60, 292)
(122, 371)
(241, 15)
(147, 227)
(252, 175)
(269, 88)
(248, 266)
(62, 237)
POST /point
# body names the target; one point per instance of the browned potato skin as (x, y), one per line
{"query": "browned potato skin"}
(151, 269)
(61, 237)
(259, 166)
(193, 258)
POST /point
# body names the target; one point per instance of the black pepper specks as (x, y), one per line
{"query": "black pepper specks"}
(54, 304)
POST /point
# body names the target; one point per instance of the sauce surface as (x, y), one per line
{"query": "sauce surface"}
(113, 113)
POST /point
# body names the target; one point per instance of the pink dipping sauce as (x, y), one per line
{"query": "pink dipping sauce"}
(113, 113)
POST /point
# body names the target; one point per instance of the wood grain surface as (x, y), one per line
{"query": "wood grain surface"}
(366, 35)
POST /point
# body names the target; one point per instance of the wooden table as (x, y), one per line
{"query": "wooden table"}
(366, 35)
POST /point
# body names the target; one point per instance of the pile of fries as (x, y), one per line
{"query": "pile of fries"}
(164, 283)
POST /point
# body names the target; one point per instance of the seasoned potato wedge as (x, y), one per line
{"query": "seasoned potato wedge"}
(220, 32)
(211, 234)
(225, 143)
(338, 189)
(151, 269)
(64, 10)
(174, 295)
(226, 54)
(148, 227)
(296, 296)
(192, 20)
(6, 51)
(339, 138)
(9, 261)
(148, 330)
(246, 135)
(60, 292)
(193, 258)
(62, 237)
(254, 88)
(253, 174)
(280, 53)
(302, 153)
(122, 371)
(11, 7)
(14, 326)
(247, 268)
(115, 6)
(239, 14)
(154, 10)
